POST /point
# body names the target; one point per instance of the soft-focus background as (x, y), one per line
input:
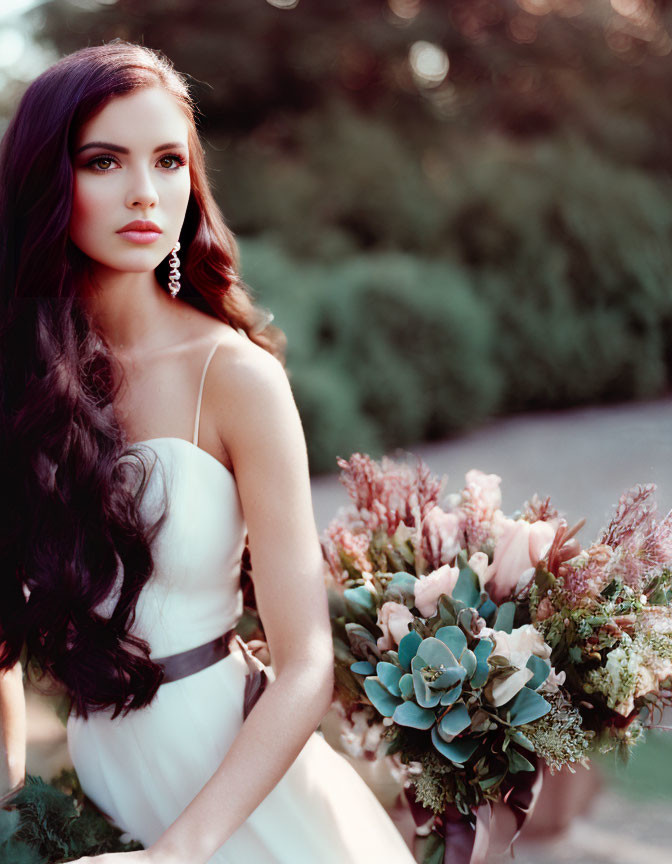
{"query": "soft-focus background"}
(461, 215)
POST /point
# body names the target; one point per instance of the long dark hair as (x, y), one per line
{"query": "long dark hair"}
(70, 521)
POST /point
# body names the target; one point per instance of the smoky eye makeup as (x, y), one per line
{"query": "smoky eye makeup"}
(102, 163)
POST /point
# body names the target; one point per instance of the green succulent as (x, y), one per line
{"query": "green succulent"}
(441, 678)
(437, 684)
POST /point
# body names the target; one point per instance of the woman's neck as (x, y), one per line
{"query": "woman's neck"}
(131, 311)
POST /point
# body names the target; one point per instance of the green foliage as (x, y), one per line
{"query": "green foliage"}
(383, 349)
(55, 822)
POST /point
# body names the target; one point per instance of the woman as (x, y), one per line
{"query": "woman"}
(124, 328)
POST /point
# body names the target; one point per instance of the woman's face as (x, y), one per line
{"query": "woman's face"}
(131, 181)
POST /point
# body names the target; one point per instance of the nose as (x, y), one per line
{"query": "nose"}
(141, 191)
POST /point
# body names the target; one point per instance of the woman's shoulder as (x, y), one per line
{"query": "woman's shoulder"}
(203, 331)
(239, 367)
(246, 384)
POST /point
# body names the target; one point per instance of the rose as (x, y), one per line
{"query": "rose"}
(520, 547)
(516, 648)
(393, 620)
(519, 645)
(429, 588)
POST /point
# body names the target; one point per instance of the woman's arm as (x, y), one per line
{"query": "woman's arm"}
(12, 732)
(260, 425)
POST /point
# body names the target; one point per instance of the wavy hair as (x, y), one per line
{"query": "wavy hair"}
(71, 530)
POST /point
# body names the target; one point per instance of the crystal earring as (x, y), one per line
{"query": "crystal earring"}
(174, 278)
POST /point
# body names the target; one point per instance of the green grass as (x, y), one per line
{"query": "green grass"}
(648, 774)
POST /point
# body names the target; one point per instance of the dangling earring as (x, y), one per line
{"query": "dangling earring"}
(174, 279)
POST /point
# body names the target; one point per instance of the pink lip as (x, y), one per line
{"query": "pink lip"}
(140, 231)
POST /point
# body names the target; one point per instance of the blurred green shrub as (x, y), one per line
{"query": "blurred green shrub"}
(572, 254)
(383, 349)
(545, 283)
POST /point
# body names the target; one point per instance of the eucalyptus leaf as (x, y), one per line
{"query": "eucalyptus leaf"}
(487, 608)
(425, 696)
(505, 615)
(489, 782)
(406, 686)
(467, 589)
(446, 610)
(451, 696)
(454, 722)
(408, 648)
(389, 675)
(360, 600)
(454, 638)
(517, 736)
(436, 653)
(517, 762)
(434, 850)
(528, 706)
(457, 751)
(468, 662)
(362, 667)
(481, 651)
(541, 669)
(410, 714)
(383, 701)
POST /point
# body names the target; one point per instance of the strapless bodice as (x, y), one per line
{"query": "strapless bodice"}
(194, 593)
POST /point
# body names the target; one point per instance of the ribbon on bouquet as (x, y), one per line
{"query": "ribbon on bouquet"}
(256, 679)
(467, 841)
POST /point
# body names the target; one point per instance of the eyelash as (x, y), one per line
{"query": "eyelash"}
(181, 162)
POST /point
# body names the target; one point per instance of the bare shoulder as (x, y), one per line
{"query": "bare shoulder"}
(244, 374)
(249, 397)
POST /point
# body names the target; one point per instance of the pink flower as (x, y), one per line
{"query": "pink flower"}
(429, 588)
(479, 564)
(519, 548)
(388, 492)
(479, 507)
(393, 620)
(440, 537)
(341, 546)
(484, 490)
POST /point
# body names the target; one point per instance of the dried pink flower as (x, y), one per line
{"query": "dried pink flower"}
(634, 515)
(440, 537)
(479, 508)
(587, 574)
(388, 493)
(339, 542)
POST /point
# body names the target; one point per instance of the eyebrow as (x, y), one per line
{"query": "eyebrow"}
(116, 148)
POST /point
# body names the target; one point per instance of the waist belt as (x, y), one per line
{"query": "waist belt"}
(185, 663)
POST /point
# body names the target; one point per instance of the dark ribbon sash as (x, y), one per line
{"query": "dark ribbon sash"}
(188, 662)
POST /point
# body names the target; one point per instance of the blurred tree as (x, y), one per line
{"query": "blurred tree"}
(505, 164)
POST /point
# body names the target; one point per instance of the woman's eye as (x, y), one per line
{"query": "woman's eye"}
(171, 161)
(102, 163)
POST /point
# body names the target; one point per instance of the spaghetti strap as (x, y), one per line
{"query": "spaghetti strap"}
(200, 392)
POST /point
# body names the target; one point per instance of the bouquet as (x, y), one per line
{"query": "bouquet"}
(478, 648)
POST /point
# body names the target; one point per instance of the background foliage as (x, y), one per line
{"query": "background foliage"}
(439, 250)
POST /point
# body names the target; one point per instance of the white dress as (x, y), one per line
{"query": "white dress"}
(143, 769)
